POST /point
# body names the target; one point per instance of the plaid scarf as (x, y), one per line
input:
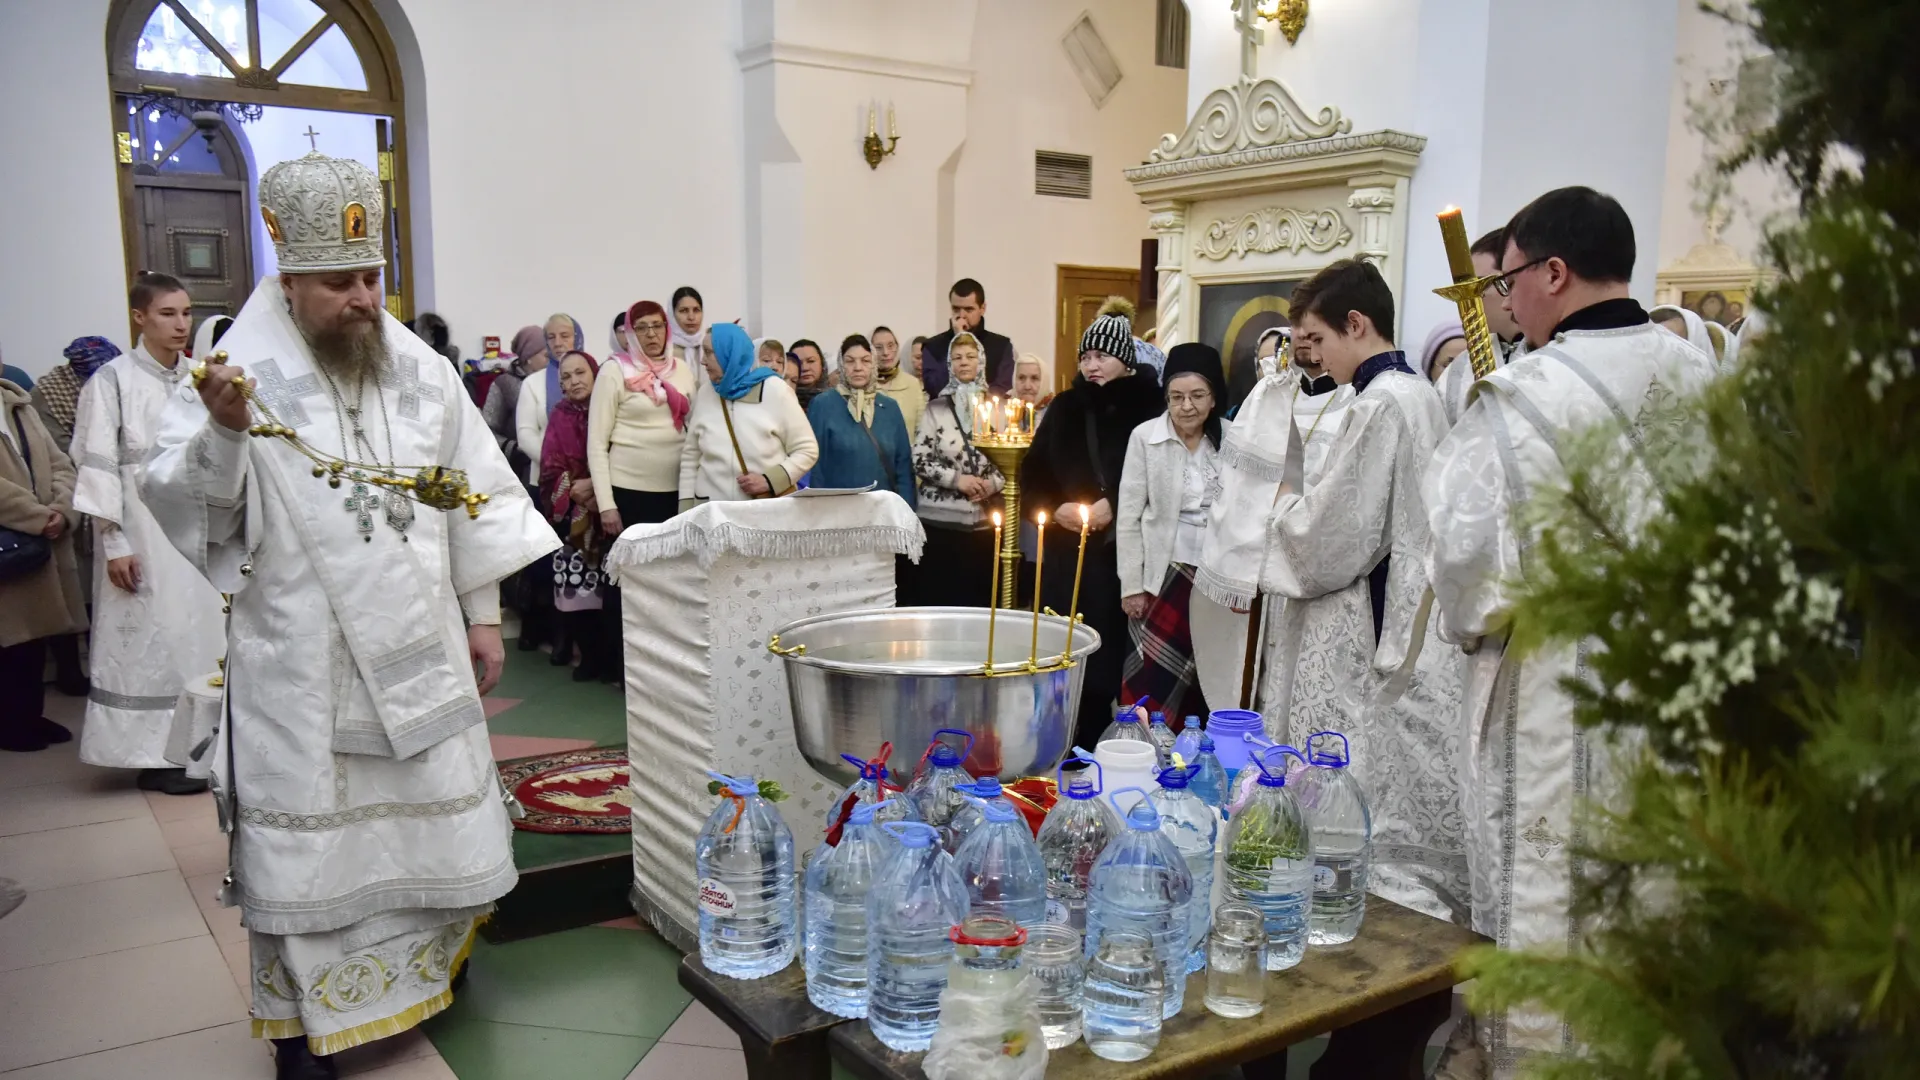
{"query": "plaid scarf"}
(59, 397)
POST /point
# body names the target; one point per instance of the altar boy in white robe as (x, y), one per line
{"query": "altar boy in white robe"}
(1358, 537)
(370, 832)
(1595, 358)
(156, 622)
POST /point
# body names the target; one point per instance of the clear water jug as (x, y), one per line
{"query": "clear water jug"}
(1001, 867)
(1076, 830)
(837, 882)
(743, 861)
(975, 797)
(1141, 882)
(873, 786)
(1193, 826)
(914, 904)
(1342, 829)
(941, 770)
(1269, 859)
(1162, 738)
(1209, 779)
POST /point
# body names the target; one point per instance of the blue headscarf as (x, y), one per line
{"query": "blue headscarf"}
(86, 354)
(738, 371)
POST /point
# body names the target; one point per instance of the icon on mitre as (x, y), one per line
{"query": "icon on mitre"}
(354, 222)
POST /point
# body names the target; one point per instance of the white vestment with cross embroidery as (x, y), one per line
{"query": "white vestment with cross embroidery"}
(371, 831)
(1530, 768)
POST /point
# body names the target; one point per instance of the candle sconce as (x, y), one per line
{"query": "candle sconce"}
(874, 148)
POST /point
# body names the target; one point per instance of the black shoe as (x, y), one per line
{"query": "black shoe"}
(293, 1060)
(169, 782)
(55, 733)
(23, 738)
(528, 642)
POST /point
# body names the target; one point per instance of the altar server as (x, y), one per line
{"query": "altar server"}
(156, 622)
(371, 828)
(1596, 359)
(1348, 554)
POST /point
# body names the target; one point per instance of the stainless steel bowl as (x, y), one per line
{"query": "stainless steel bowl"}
(900, 674)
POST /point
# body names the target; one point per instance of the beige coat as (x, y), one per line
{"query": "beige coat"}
(48, 601)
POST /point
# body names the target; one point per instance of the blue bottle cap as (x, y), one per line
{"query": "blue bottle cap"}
(1080, 787)
(987, 787)
(1206, 743)
(1320, 750)
(1126, 715)
(1157, 718)
(942, 752)
(998, 810)
(744, 786)
(1175, 779)
(1143, 817)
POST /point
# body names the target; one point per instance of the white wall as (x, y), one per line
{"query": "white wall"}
(64, 271)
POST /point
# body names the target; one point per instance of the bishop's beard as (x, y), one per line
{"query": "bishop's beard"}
(352, 350)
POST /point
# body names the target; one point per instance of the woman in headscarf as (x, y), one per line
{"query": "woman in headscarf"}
(958, 486)
(57, 394)
(1166, 493)
(1445, 343)
(1684, 323)
(746, 436)
(503, 397)
(860, 431)
(36, 501)
(538, 397)
(689, 314)
(1077, 458)
(640, 406)
(567, 495)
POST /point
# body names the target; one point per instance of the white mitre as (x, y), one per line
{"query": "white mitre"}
(325, 215)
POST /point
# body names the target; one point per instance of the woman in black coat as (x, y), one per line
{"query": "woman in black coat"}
(1077, 456)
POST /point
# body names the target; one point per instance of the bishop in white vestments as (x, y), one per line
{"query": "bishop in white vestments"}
(156, 621)
(1348, 552)
(1597, 360)
(370, 830)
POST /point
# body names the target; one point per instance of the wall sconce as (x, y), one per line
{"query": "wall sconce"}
(1290, 14)
(875, 148)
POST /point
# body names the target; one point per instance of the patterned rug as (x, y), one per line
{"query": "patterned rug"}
(580, 791)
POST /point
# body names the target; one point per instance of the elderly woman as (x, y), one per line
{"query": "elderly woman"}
(36, 602)
(1077, 458)
(503, 395)
(567, 495)
(1445, 343)
(958, 486)
(1166, 491)
(894, 380)
(746, 436)
(538, 397)
(861, 433)
(641, 400)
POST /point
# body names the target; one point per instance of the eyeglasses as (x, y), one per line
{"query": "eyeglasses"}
(1504, 283)
(1199, 399)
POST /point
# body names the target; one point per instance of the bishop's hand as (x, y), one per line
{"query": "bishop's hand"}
(220, 392)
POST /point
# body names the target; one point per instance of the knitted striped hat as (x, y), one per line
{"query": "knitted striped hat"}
(1110, 334)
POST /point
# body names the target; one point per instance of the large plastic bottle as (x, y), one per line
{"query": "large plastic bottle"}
(1127, 724)
(1141, 882)
(1193, 826)
(1001, 868)
(743, 860)
(838, 881)
(1209, 779)
(1269, 859)
(915, 903)
(932, 791)
(1077, 829)
(1162, 737)
(872, 787)
(1342, 830)
(972, 813)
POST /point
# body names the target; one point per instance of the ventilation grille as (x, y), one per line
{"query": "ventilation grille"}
(1069, 176)
(1091, 59)
(1170, 34)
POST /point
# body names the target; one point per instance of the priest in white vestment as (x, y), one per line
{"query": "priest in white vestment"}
(1348, 553)
(370, 830)
(156, 621)
(1457, 381)
(1596, 359)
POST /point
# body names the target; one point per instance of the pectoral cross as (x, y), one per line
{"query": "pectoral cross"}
(1246, 22)
(313, 138)
(362, 504)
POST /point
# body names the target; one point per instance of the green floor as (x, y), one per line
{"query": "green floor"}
(552, 705)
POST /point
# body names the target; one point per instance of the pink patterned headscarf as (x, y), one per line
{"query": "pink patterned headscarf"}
(644, 374)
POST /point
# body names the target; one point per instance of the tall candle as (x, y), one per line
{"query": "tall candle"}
(1453, 233)
(1039, 565)
(873, 122)
(993, 591)
(893, 129)
(1079, 561)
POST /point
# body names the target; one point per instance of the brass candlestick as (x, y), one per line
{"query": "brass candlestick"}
(1006, 449)
(1468, 293)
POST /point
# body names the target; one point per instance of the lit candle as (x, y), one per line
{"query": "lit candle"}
(993, 591)
(1039, 565)
(1029, 417)
(1073, 609)
(1453, 233)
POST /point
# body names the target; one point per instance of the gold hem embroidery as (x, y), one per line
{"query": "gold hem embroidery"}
(373, 1030)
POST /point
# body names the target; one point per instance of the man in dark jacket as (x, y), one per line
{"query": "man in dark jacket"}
(969, 301)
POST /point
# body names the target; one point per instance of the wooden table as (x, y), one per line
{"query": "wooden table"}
(784, 1036)
(1381, 996)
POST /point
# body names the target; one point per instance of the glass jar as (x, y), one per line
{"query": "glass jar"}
(1121, 1001)
(1237, 962)
(1053, 957)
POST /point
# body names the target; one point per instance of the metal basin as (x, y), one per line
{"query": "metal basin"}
(900, 674)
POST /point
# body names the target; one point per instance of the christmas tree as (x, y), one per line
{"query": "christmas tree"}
(1754, 903)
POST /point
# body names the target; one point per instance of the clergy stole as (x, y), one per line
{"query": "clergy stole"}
(1261, 456)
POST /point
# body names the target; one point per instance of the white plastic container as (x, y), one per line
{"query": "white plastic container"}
(1127, 764)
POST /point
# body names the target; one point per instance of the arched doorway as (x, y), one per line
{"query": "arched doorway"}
(190, 213)
(285, 59)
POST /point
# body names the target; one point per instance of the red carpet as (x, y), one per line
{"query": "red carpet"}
(579, 791)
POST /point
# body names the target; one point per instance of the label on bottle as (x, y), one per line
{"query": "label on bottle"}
(1323, 878)
(715, 897)
(1057, 913)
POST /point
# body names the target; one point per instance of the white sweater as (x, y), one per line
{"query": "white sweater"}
(530, 421)
(775, 439)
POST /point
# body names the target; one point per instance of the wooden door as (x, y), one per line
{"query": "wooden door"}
(1082, 289)
(189, 207)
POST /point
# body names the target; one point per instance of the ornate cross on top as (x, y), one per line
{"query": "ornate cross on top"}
(313, 138)
(1246, 22)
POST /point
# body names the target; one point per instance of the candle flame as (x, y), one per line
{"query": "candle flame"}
(996, 519)
(1084, 519)
(1041, 517)
(1450, 209)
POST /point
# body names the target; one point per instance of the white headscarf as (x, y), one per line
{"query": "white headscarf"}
(1754, 327)
(1697, 335)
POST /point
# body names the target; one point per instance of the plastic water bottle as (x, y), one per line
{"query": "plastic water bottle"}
(1141, 882)
(1161, 736)
(1342, 830)
(932, 791)
(972, 813)
(743, 860)
(914, 905)
(1123, 1000)
(1269, 860)
(1126, 725)
(838, 881)
(870, 789)
(1001, 868)
(1077, 829)
(1193, 826)
(1209, 780)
